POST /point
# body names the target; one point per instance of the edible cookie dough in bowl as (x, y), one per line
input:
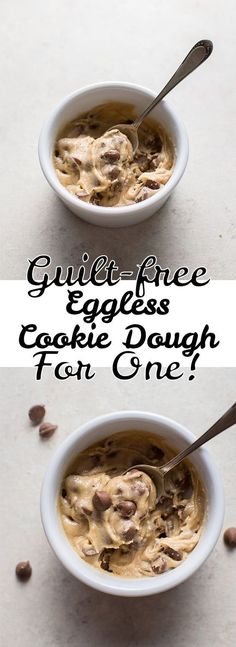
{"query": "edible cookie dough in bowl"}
(92, 166)
(108, 527)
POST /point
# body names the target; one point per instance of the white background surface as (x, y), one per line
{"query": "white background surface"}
(51, 47)
(53, 609)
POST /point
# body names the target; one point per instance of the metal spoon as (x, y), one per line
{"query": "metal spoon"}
(157, 474)
(197, 55)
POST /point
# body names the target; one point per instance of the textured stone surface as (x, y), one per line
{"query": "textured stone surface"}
(53, 609)
(53, 47)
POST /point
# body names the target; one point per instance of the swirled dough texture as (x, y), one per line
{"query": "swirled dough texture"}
(114, 521)
(99, 166)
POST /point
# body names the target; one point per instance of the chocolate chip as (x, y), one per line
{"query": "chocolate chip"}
(174, 554)
(114, 173)
(23, 571)
(126, 508)
(64, 493)
(164, 500)
(151, 184)
(230, 537)
(46, 429)
(37, 413)
(118, 186)
(142, 197)
(111, 156)
(129, 533)
(159, 566)
(128, 121)
(96, 198)
(105, 560)
(142, 161)
(101, 500)
(93, 126)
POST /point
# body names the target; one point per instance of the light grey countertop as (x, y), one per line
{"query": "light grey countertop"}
(50, 48)
(53, 609)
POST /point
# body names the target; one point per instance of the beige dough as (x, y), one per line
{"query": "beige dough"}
(99, 166)
(114, 521)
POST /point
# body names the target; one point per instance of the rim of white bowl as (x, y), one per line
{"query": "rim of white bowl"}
(108, 583)
(49, 171)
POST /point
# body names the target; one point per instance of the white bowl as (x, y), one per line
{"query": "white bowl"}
(178, 437)
(85, 99)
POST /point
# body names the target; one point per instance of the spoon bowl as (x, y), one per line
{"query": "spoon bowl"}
(157, 474)
(197, 55)
(130, 131)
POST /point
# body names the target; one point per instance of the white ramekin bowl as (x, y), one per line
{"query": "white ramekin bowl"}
(178, 437)
(85, 99)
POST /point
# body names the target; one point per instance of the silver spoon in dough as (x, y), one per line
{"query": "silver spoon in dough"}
(158, 474)
(197, 55)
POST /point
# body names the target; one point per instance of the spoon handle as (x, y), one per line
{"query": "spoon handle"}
(227, 420)
(197, 55)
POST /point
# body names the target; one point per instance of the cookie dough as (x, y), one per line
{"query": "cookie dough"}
(98, 166)
(113, 520)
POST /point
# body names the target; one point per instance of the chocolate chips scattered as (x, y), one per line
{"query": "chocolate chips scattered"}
(23, 571)
(174, 554)
(46, 429)
(37, 413)
(101, 501)
(126, 508)
(230, 537)
(111, 156)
